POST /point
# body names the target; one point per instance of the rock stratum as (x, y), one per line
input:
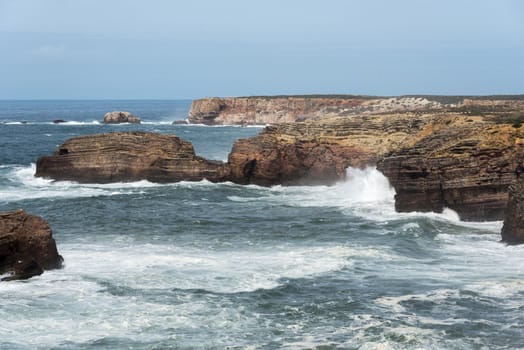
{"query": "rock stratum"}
(263, 110)
(27, 247)
(128, 156)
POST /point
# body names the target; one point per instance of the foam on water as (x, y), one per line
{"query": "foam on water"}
(365, 193)
(230, 271)
(22, 185)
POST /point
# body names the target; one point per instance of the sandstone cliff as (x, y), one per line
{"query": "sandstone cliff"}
(128, 156)
(318, 152)
(465, 164)
(285, 109)
(462, 157)
(27, 247)
(433, 160)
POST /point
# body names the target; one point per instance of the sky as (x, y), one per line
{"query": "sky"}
(161, 49)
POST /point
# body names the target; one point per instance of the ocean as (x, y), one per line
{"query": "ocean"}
(198, 265)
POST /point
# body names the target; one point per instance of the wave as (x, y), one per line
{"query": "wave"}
(21, 184)
(365, 193)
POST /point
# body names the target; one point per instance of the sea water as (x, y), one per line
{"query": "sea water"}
(197, 265)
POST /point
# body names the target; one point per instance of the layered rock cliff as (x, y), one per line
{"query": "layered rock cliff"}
(433, 160)
(318, 152)
(466, 165)
(284, 109)
(463, 157)
(27, 247)
(128, 156)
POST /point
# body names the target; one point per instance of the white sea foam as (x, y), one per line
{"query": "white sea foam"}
(24, 185)
(152, 266)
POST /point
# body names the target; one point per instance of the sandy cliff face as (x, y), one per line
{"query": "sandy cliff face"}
(318, 152)
(433, 160)
(286, 109)
(466, 166)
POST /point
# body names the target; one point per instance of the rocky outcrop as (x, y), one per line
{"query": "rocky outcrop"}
(465, 164)
(118, 117)
(128, 156)
(286, 109)
(27, 247)
(513, 229)
(318, 152)
(433, 160)
(273, 110)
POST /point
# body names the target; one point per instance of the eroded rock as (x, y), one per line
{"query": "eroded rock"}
(128, 156)
(513, 229)
(118, 117)
(27, 247)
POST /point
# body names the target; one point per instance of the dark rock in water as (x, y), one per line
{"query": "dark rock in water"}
(513, 229)
(118, 117)
(59, 121)
(27, 247)
(129, 156)
(181, 122)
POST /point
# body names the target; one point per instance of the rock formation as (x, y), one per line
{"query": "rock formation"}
(433, 160)
(27, 247)
(128, 156)
(318, 152)
(465, 164)
(264, 110)
(513, 229)
(437, 152)
(118, 117)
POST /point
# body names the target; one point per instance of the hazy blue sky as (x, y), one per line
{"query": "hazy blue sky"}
(195, 48)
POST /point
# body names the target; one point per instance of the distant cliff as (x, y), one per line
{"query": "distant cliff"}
(262, 110)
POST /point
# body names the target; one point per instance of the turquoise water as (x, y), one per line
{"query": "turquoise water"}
(223, 266)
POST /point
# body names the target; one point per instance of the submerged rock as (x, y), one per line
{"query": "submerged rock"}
(128, 156)
(27, 247)
(118, 117)
(513, 229)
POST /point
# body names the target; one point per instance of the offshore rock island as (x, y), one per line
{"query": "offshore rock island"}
(457, 152)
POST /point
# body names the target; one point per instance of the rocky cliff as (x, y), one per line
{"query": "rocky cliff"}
(128, 156)
(318, 152)
(513, 229)
(284, 109)
(433, 160)
(27, 247)
(462, 157)
(465, 164)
